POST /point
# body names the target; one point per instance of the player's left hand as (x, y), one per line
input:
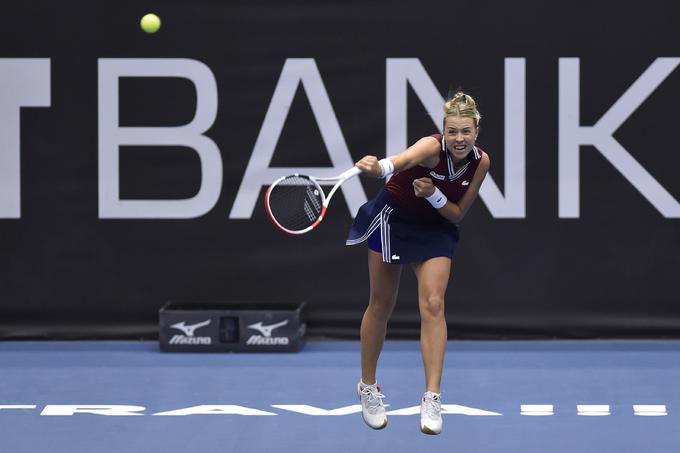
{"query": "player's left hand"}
(423, 187)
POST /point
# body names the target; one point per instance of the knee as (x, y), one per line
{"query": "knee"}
(381, 306)
(432, 306)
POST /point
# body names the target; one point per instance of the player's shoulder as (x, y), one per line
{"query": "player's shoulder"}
(484, 160)
(433, 140)
(430, 143)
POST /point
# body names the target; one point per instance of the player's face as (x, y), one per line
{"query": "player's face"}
(460, 134)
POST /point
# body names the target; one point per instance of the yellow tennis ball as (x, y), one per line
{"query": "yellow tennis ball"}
(150, 23)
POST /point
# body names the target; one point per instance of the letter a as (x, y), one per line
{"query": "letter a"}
(259, 173)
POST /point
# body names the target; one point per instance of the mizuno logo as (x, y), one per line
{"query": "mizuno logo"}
(189, 330)
(465, 183)
(188, 338)
(437, 176)
(259, 340)
(266, 338)
(267, 330)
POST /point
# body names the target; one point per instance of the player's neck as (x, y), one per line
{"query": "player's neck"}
(458, 162)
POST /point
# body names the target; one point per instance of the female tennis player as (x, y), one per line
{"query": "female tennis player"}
(414, 219)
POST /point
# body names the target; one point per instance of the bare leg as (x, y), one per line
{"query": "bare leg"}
(433, 277)
(384, 279)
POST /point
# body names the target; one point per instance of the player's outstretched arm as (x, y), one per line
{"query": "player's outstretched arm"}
(425, 151)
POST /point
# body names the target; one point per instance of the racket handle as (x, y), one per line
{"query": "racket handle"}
(352, 172)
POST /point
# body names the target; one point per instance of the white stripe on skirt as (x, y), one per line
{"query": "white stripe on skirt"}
(385, 236)
(375, 223)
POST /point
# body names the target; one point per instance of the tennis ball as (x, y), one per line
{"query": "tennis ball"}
(150, 23)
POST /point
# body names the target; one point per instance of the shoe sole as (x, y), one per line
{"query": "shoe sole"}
(426, 430)
(376, 428)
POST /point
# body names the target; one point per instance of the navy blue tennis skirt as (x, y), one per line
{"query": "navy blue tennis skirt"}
(398, 235)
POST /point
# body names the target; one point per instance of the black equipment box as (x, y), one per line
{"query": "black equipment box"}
(238, 327)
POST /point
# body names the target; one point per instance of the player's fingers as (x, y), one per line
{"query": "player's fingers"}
(369, 165)
(363, 163)
(423, 187)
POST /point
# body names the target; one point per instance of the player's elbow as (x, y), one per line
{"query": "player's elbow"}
(453, 213)
(456, 218)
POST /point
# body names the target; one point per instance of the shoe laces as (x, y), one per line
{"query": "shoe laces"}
(432, 405)
(373, 398)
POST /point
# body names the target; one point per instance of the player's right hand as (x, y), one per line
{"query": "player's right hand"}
(369, 165)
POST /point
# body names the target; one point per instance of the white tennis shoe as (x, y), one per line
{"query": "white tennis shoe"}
(431, 413)
(372, 408)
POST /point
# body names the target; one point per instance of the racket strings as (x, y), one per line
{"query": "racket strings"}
(295, 203)
(314, 198)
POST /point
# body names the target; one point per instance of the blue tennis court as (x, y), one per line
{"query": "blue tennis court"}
(537, 396)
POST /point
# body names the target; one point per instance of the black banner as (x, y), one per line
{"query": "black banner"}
(132, 165)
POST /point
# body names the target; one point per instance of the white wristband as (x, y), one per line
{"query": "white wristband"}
(386, 166)
(437, 199)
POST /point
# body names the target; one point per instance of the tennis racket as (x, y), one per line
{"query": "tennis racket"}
(296, 204)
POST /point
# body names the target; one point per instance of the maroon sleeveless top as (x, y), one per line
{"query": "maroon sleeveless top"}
(453, 182)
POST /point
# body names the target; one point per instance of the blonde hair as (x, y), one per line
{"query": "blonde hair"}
(461, 104)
